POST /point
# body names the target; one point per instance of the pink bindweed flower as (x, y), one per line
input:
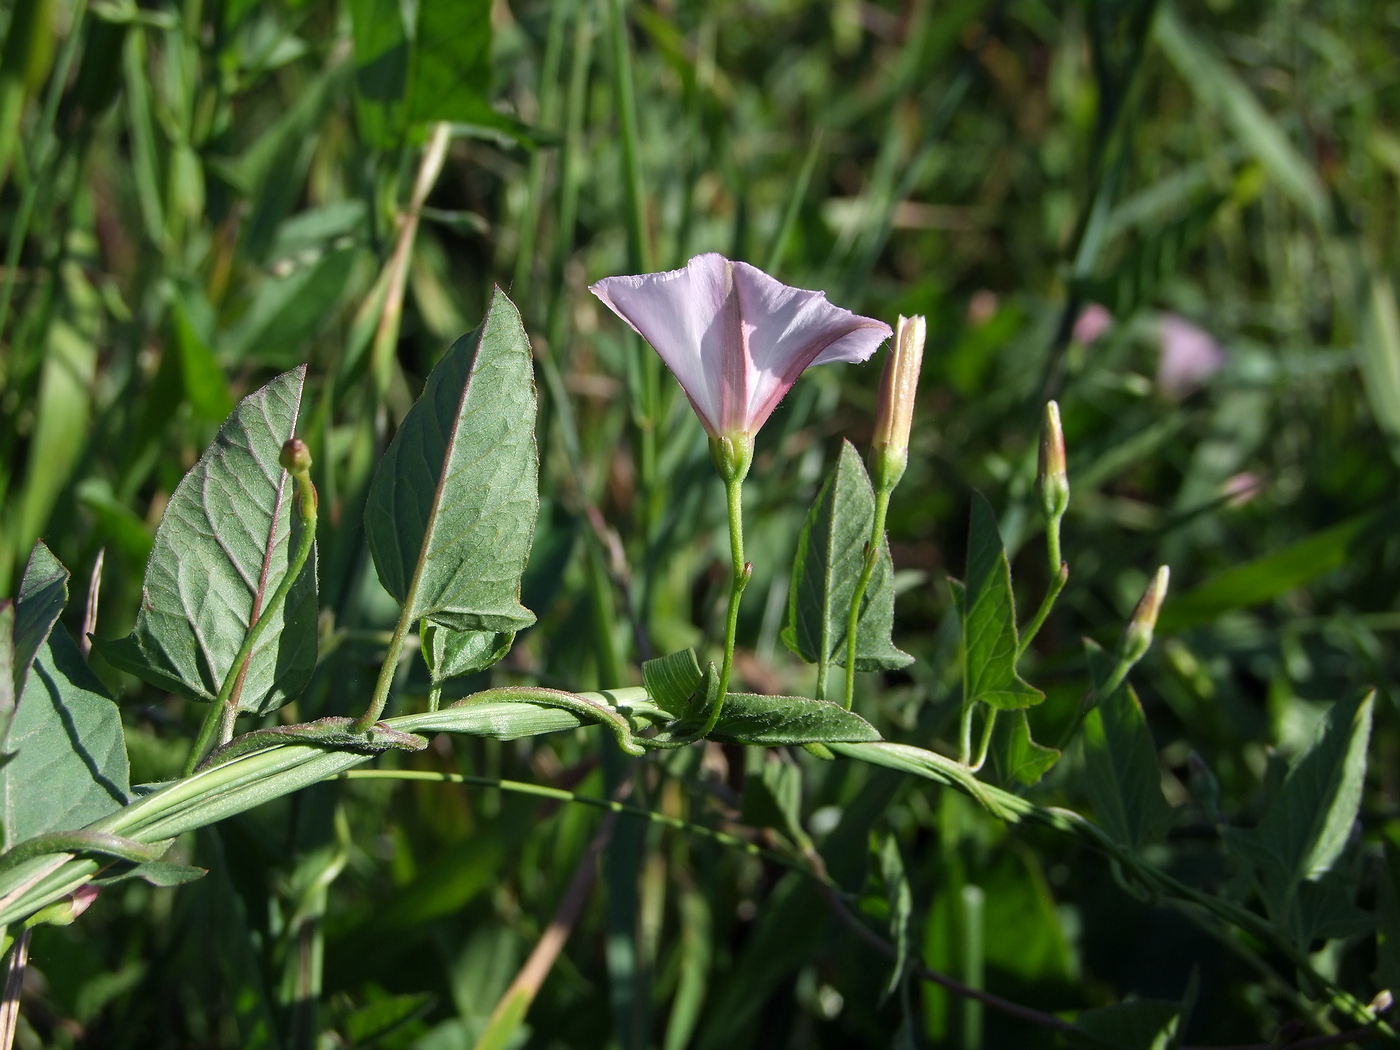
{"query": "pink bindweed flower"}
(734, 338)
(1093, 321)
(1190, 356)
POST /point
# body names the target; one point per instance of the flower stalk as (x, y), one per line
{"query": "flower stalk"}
(732, 458)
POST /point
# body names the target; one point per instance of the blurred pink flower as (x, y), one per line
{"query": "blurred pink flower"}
(1190, 356)
(734, 338)
(1093, 321)
(1242, 487)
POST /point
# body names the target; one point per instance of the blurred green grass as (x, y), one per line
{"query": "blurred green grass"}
(196, 196)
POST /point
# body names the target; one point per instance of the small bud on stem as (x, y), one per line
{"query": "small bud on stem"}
(1138, 635)
(889, 450)
(295, 457)
(1053, 481)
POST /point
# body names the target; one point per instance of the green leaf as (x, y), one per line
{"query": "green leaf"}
(1387, 974)
(1018, 757)
(43, 594)
(901, 903)
(286, 311)
(157, 873)
(1143, 1024)
(1379, 356)
(205, 385)
(770, 720)
(8, 692)
(671, 681)
(1120, 762)
(374, 1021)
(989, 619)
(117, 523)
(1309, 819)
(451, 654)
(70, 763)
(61, 414)
(1218, 88)
(381, 69)
(1157, 254)
(452, 507)
(773, 796)
(829, 562)
(227, 538)
(450, 73)
(1022, 934)
(1276, 573)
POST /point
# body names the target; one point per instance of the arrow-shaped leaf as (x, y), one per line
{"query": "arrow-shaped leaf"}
(224, 545)
(989, 618)
(70, 765)
(1308, 822)
(43, 594)
(830, 558)
(451, 510)
(1120, 759)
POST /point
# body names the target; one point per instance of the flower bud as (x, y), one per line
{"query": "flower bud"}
(295, 457)
(890, 447)
(1138, 635)
(65, 910)
(1053, 480)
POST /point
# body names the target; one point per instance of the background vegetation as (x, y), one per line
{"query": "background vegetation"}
(198, 196)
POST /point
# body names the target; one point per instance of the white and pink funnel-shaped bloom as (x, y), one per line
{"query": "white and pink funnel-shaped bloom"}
(734, 338)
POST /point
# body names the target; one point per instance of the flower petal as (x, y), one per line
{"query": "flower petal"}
(690, 317)
(789, 330)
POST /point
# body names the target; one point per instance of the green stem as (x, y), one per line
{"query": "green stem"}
(1056, 586)
(435, 696)
(872, 557)
(1052, 546)
(965, 736)
(733, 490)
(386, 674)
(986, 743)
(225, 704)
(207, 729)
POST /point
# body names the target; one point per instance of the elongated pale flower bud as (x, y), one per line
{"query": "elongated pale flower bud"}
(1053, 480)
(1138, 635)
(889, 451)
